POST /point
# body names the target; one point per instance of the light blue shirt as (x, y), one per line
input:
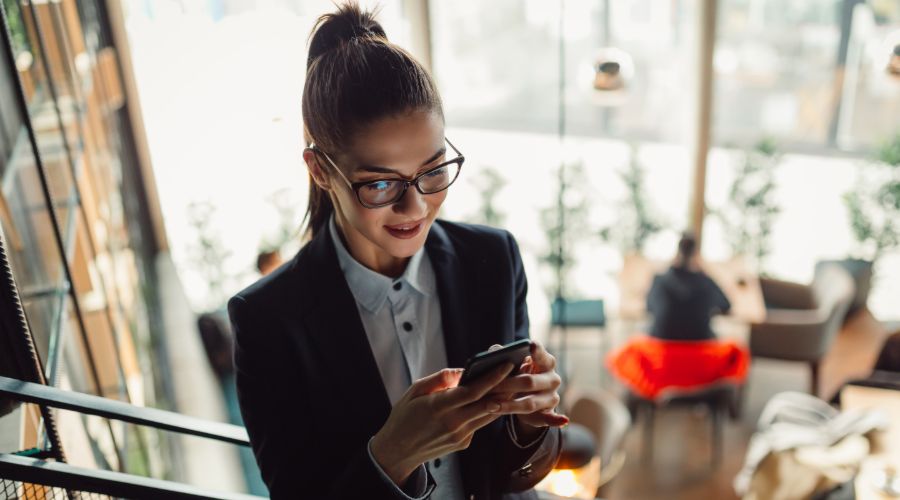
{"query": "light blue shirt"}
(402, 320)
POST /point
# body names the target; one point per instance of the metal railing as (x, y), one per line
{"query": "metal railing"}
(26, 478)
(28, 392)
(29, 478)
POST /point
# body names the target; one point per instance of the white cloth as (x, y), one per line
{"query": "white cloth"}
(402, 320)
(791, 420)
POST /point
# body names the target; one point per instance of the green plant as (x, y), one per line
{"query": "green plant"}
(288, 220)
(750, 212)
(208, 254)
(16, 28)
(488, 182)
(637, 218)
(564, 224)
(874, 204)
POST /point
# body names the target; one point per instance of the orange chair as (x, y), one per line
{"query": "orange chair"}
(662, 373)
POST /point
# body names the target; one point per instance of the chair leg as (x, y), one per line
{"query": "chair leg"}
(716, 420)
(814, 378)
(649, 417)
(735, 403)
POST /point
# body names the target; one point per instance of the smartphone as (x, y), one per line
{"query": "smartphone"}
(486, 361)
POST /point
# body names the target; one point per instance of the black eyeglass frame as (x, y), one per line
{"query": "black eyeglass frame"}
(357, 186)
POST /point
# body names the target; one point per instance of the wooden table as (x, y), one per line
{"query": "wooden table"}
(888, 452)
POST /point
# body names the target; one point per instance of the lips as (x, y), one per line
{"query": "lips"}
(406, 230)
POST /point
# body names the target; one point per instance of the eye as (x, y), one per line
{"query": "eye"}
(379, 186)
(437, 172)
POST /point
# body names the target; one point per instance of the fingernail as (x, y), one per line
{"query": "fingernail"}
(493, 407)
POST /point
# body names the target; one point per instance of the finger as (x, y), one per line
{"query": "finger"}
(471, 412)
(475, 390)
(527, 365)
(529, 404)
(438, 381)
(541, 419)
(461, 422)
(528, 383)
(543, 360)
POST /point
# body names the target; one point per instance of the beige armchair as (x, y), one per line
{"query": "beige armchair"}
(802, 320)
(607, 419)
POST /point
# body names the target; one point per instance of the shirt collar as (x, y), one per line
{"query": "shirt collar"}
(369, 288)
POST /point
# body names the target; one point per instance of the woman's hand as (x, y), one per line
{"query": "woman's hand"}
(435, 417)
(532, 394)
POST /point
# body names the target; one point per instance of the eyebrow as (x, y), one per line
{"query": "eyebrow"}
(384, 170)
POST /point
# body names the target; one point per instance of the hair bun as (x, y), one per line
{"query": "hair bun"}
(337, 28)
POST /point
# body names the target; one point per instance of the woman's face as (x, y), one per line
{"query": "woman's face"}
(399, 147)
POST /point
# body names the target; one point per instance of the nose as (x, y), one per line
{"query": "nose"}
(411, 204)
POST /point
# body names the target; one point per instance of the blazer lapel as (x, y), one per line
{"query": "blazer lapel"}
(334, 324)
(452, 291)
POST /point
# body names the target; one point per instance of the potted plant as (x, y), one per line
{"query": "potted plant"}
(636, 221)
(488, 183)
(208, 254)
(564, 224)
(873, 207)
(748, 216)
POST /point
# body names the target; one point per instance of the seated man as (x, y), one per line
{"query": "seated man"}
(683, 299)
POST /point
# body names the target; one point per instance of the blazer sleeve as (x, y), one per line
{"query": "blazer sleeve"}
(524, 466)
(279, 417)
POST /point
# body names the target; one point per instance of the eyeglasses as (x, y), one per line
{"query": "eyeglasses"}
(383, 192)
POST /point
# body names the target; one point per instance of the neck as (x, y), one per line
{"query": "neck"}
(689, 263)
(367, 254)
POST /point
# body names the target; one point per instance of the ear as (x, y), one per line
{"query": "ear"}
(315, 169)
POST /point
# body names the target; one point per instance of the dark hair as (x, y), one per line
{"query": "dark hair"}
(687, 246)
(355, 76)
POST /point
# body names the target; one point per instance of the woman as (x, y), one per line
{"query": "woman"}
(343, 354)
(681, 356)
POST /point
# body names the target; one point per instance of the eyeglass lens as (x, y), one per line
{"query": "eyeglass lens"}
(388, 191)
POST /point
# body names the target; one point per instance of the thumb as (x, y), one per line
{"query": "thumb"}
(437, 381)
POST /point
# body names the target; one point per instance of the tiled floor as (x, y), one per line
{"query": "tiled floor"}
(680, 468)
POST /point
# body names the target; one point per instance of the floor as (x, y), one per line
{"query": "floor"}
(680, 468)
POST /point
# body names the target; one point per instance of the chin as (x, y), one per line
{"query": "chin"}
(405, 249)
(402, 249)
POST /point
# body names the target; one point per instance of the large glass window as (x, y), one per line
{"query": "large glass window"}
(80, 273)
(808, 78)
(811, 80)
(811, 73)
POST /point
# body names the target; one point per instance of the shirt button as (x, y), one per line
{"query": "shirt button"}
(407, 326)
(437, 463)
(398, 285)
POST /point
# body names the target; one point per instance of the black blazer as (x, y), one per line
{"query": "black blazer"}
(309, 388)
